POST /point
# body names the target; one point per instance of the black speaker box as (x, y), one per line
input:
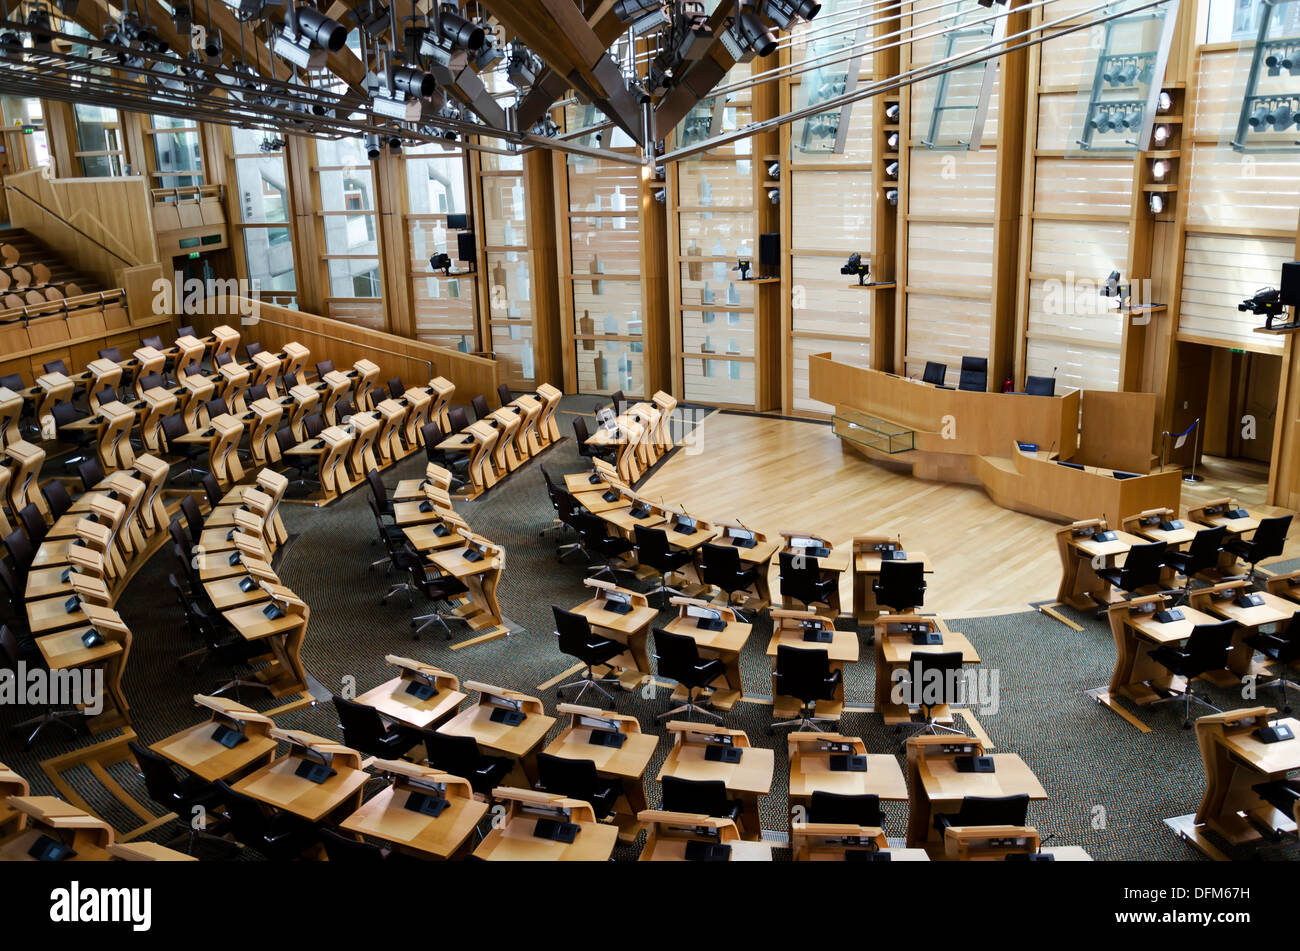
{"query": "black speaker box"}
(458, 222)
(769, 252)
(1290, 289)
(465, 247)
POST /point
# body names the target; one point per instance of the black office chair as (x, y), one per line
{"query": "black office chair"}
(302, 465)
(33, 523)
(212, 490)
(576, 639)
(396, 388)
(985, 811)
(1283, 649)
(91, 474)
(455, 461)
(1040, 385)
(567, 509)
(187, 331)
(928, 668)
(221, 359)
(313, 424)
(364, 730)
(721, 568)
(256, 393)
(82, 440)
(57, 498)
(504, 394)
(801, 580)
(805, 674)
(480, 404)
(1282, 794)
(841, 809)
(653, 551)
(21, 553)
(177, 795)
(1201, 555)
(216, 407)
(1141, 569)
(251, 349)
(460, 756)
(699, 797)
(380, 491)
(901, 585)
(323, 368)
(188, 454)
(934, 373)
(1267, 542)
(14, 649)
(15, 600)
(680, 660)
(616, 400)
(577, 779)
(1206, 650)
(974, 374)
(276, 835)
(340, 848)
(598, 544)
(189, 506)
(217, 643)
(457, 419)
(581, 434)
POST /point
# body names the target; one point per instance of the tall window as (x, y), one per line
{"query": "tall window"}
(347, 209)
(177, 159)
(100, 151)
(263, 202)
(435, 190)
(27, 114)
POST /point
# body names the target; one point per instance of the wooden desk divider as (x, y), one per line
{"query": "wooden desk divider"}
(149, 360)
(265, 371)
(548, 431)
(442, 390)
(988, 843)
(104, 375)
(305, 400)
(668, 834)
(153, 472)
(195, 391)
(365, 375)
(302, 745)
(663, 434)
(506, 454)
(11, 819)
(189, 352)
(116, 634)
(1284, 585)
(491, 696)
(528, 440)
(54, 388)
(11, 408)
(245, 720)
(24, 484)
(6, 478)
(292, 359)
(417, 400)
(832, 842)
(265, 415)
(333, 387)
(86, 835)
(225, 339)
(1235, 761)
(158, 404)
(391, 418)
(234, 384)
(146, 852)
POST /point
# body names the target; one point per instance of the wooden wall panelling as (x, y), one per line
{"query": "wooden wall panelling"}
(538, 180)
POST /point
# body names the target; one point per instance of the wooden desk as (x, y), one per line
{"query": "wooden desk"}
(387, 817)
(302, 400)
(810, 771)
(1234, 761)
(425, 538)
(11, 408)
(746, 780)
(724, 645)
(195, 391)
(64, 650)
(333, 386)
(1137, 632)
(514, 839)
(395, 700)
(87, 836)
(625, 764)
(547, 430)
(276, 785)
(1215, 514)
(194, 750)
(671, 832)
(416, 400)
(831, 565)
(24, 482)
(1146, 525)
(519, 743)
(50, 390)
(441, 390)
(481, 577)
(868, 554)
(1082, 557)
(759, 555)
(824, 842)
(936, 786)
(284, 635)
(999, 843)
(364, 374)
(788, 631)
(391, 415)
(264, 415)
(11, 819)
(894, 649)
(1219, 601)
(632, 629)
(331, 450)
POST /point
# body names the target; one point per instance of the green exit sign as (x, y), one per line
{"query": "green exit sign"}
(193, 255)
(28, 129)
(1235, 350)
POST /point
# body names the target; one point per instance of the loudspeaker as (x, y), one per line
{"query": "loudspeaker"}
(769, 252)
(458, 222)
(1290, 289)
(465, 247)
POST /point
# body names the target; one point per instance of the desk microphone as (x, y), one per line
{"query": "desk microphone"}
(1050, 448)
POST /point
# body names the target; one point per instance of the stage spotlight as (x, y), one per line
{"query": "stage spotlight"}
(891, 196)
(1159, 168)
(414, 82)
(394, 145)
(306, 36)
(459, 31)
(1282, 117)
(892, 112)
(774, 195)
(785, 12)
(182, 19)
(891, 170)
(1160, 134)
(38, 24)
(373, 19)
(1165, 102)
(891, 141)
(748, 37)
(1156, 203)
(372, 146)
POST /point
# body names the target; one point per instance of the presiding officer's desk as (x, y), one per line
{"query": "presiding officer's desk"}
(684, 836)
(423, 812)
(205, 749)
(421, 696)
(625, 616)
(1236, 760)
(938, 785)
(827, 842)
(746, 779)
(521, 836)
(614, 744)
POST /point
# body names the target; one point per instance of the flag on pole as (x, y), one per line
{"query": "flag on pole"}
(1181, 438)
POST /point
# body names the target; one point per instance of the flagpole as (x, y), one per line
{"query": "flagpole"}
(1196, 454)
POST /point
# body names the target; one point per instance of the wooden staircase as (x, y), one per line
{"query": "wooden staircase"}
(32, 249)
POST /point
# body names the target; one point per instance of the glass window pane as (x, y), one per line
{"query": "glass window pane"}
(262, 192)
(270, 258)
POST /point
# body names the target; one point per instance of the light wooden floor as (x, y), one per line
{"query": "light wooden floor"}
(778, 474)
